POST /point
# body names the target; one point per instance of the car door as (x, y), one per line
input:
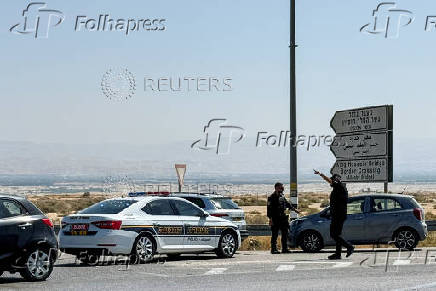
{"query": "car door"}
(384, 214)
(355, 226)
(16, 227)
(199, 230)
(166, 223)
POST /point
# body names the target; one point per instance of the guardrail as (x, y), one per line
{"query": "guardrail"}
(265, 230)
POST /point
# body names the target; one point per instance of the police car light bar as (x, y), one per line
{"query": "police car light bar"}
(160, 193)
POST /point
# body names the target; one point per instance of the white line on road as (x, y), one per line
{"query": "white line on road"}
(401, 262)
(215, 271)
(423, 286)
(342, 264)
(282, 268)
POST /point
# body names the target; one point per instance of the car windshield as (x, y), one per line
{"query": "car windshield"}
(108, 207)
(224, 203)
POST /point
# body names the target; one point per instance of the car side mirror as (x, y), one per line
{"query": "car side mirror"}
(204, 214)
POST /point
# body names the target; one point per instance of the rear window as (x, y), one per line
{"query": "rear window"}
(224, 203)
(416, 204)
(108, 207)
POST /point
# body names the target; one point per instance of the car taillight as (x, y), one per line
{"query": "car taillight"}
(219, 214)
(418, 212)
(47, 222)
(108, 224)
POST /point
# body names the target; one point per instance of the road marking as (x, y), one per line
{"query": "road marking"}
(283, 268)
(423, 286)
(401, 262)
(215, 271)
(342, 264)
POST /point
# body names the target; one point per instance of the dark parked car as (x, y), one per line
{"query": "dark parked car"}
(28, 242)
(372, 219)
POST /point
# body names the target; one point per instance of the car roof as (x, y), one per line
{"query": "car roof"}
(194, 194)
(392, 195)
(12, 196)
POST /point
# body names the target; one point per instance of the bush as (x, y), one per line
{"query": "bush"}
(325, 203)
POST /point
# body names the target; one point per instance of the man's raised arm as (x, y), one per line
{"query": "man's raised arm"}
(327, 179)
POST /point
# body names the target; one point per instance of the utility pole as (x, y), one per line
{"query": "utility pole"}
(293, 111)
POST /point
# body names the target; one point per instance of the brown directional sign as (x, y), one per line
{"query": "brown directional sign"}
(363, 144)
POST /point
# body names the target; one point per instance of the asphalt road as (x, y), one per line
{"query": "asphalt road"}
(365, 270)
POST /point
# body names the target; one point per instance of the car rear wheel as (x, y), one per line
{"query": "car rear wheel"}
(38, 265)
(406, 239)
(311, 242)
(144, 249)
(227, 245)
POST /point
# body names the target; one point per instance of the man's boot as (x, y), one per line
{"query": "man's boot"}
(274, 250)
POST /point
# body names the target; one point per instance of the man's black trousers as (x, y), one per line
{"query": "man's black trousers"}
(336, 226)
(283, 226)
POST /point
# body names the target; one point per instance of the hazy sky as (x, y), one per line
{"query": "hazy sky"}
(50, 88)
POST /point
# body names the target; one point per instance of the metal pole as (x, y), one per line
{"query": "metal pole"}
(385, 188)
(293, 111)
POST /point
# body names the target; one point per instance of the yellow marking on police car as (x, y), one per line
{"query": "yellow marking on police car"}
(198, 230)
(170, 230)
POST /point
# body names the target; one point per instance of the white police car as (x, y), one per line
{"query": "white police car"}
(145, 226)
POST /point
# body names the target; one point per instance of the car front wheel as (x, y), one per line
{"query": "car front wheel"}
(311, 242)
(37, 265)
(227, 245)
(406, 239)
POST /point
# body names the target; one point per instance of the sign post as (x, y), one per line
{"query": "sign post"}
(180, 170)
(363, 144)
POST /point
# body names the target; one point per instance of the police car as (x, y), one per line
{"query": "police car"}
(145, 226)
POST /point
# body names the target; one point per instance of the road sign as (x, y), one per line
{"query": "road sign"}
(362, 119)
(363, 170)
(360, 145)
(363, 144)
(180, 170)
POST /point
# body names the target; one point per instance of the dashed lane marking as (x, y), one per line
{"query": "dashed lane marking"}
(283, 268)
(401, 262)
(215, 271)
(342, 264)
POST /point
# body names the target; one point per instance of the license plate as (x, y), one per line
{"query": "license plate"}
(237, 218)
(79, 229)
(79, 232)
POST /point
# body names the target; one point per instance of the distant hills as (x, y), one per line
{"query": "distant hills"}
(27, 162)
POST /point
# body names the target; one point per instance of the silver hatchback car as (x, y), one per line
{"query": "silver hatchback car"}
(372, 219)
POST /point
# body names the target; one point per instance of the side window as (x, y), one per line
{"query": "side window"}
(197, 201)
(159, 207)
(384, 204)
(10, 208)
(186, 209)
(356, 206)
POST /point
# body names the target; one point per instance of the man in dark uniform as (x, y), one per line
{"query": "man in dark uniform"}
(338, 214)
(278, 220)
